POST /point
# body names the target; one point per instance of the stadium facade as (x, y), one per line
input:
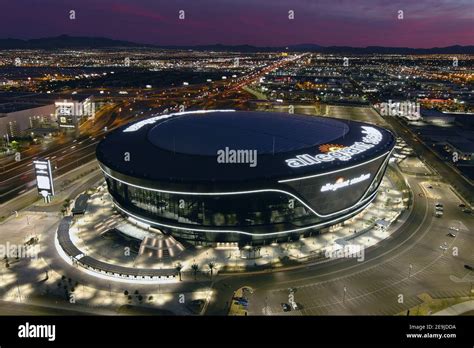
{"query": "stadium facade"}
(246, 177)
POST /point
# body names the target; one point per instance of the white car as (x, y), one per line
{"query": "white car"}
(443, 247)
(452, 228)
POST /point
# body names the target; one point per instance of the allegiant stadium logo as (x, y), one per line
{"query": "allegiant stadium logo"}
(330, 147)
(371, 137)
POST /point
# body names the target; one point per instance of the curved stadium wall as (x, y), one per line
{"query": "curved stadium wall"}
(303, 181)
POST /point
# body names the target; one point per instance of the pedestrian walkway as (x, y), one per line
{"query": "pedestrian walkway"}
(458, 309)
(101, 234)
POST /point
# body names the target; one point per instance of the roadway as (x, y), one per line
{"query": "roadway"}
(462, 185)
(66, 154)
(27, 309)
(373, 286)
(18, 177)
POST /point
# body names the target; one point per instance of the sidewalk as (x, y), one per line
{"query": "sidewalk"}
(64, 184)
(458, 309)
(358, 233)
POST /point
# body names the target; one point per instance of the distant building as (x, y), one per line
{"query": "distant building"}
(15, 118)
(36, 121)
(13, 130)
(69, 112)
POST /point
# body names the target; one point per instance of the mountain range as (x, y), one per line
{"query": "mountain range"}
(71, 42)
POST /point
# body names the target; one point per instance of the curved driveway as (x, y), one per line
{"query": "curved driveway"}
(375, 285)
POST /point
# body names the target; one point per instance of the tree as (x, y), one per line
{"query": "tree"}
(211, 266)
(195, 268)
(179, 267)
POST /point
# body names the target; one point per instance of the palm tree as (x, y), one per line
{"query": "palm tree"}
(195, 268)
(211, 266)
(179, 267)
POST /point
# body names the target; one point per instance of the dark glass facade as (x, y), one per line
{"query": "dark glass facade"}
(269, 212)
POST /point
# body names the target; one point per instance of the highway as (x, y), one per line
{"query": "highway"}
(67, 153)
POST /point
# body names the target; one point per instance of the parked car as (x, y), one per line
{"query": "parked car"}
(286, 307)
(469, 267)
(451, 234)
(462, 205)
(443, 247)
(242, 301)
(454, 228)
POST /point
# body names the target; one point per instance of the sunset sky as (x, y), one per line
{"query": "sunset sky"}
(426, 23)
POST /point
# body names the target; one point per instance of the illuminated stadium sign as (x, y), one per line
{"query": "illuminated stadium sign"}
(44, 177)
(341, 182)
(371, 138)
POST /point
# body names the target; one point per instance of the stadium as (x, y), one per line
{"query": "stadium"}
(225, 176)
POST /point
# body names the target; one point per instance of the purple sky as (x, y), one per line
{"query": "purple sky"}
(426, 23)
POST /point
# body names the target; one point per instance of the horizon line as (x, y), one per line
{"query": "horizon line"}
(229, 45)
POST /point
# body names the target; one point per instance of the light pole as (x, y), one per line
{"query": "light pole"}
(470, 289)
(18, 288)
